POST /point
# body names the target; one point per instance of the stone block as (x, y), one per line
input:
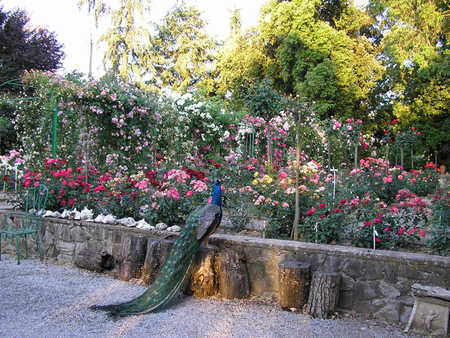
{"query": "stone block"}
(66, 248)
(429, 317)
(386, 309)
(345, 300)
(77, 234)
(373, 270)
(353, 268)
(364, 291)
(362, 306)
(388, 290)
(390, 272)
(332, 264)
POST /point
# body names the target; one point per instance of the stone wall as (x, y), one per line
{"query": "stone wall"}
(375, 283)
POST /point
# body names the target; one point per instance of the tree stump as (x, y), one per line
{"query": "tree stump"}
(203, 279)
(234, 281)
(324, 294)
(293, 284)
(93, 260)
(131, 257)
(155, 257)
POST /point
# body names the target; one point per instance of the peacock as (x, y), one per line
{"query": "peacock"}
(201, 224)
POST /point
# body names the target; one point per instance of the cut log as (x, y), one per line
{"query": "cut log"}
(93, 260)
(324, 294)
(157, 251)
(234, 281)
(131, 257)
(203, 281)
(294, 279)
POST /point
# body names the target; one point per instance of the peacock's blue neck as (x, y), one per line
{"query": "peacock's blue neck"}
(217, 195)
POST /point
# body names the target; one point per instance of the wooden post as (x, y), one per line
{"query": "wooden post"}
(203, 281)
(324, 294)
(93, 260)
(131, 257)
(294, 278)
(234, 281)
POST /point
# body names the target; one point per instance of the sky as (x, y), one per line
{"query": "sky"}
(72, 27)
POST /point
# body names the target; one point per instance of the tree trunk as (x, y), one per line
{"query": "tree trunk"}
(203, 281)
(269, 148)
(131, 257)
(234, 281)
(93, 261)
(157, 251)
(324, 294)
(294, 233)
(329, 153)
(294, 278)
(387, 158)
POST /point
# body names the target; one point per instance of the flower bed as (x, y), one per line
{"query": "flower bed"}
(372, 206)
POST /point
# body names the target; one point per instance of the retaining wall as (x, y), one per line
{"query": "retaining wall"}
(374, 282)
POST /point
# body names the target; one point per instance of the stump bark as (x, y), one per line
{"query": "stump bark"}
(294, 279)
(131, 257)
(324, 294)
(203, 281)
(156, 255)
(234, 281)
(93, 260)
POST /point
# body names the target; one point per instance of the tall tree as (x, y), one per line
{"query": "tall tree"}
(25, 48)
(332, 67)
(128, 42)
(235, 22)
(323, 51)
(415, 52)
(185, 48)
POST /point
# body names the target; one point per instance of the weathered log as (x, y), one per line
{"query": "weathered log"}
(294, 279)
(131, 257)
(156, 255)
(324, 294)
(93, 260)
(203, 281)
(234, 281)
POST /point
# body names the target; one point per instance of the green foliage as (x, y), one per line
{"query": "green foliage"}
(325, 223)
(127, 54)
(183, 47)
(263, 101)
(440, 241)
(25, 47)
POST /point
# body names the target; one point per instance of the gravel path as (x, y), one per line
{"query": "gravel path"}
(47, 300)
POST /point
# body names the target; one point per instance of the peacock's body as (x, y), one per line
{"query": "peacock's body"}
(199, 226)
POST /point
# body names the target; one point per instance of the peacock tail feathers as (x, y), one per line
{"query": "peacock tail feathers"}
(170, 278)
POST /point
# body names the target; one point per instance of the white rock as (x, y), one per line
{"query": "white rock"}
(109, 219)
(65, 214)
(73, 213)
(142, 224)
(86, 214)
(174, 228)
(127, 221)
(161, 226)
(99, 218)
(50, 213)
(77, 215)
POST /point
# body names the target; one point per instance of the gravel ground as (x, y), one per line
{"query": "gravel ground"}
(42, 299)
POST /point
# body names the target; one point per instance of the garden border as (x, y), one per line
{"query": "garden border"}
(374, 282)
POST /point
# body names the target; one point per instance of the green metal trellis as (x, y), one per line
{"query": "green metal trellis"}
(15, 82)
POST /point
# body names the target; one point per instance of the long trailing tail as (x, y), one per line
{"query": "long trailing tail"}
(169, 279)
